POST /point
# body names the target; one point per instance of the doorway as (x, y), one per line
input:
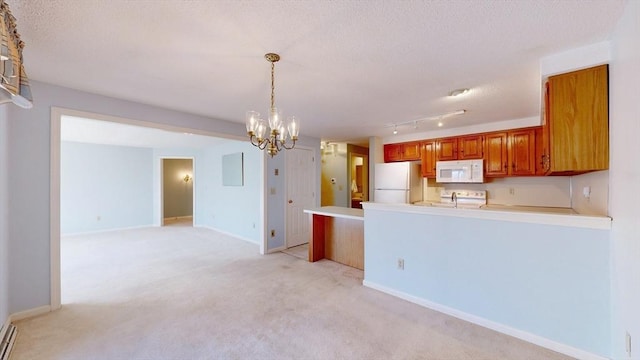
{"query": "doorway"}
(177, 192)
(359, 173)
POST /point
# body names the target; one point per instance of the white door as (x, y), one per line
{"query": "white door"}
(300, 170)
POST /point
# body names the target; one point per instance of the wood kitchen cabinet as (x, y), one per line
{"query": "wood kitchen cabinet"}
(447, 149)
(522, 152)
(542, 150)
(428, 167)
(460, 148)
(578, 121)
(495, 155)
(470, 147)
(409, 151)
(510, 153)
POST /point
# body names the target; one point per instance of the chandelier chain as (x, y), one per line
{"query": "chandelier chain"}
(272, 84)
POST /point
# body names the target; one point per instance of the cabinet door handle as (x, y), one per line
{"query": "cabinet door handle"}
(506, 166)
(513, 165)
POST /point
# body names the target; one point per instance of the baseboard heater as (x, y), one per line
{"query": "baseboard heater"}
(7, 341)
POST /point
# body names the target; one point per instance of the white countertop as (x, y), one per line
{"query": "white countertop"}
(526, 214)
(338, 212)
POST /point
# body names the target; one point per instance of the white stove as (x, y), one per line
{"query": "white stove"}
(463, 198)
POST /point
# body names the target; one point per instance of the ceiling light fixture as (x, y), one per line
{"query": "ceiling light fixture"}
(458, 92)
(276, 139)
(415, 122)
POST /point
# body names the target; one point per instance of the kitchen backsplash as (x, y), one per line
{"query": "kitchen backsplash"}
(550, 191)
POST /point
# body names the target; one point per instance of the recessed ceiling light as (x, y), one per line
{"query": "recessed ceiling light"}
(439, 123)
(458, 92)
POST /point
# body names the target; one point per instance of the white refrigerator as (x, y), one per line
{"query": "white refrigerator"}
(397, 183)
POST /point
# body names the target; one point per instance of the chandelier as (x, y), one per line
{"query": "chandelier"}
(275, 139)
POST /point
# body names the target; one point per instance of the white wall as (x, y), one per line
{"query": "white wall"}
(624, 178)
(548, 281)
(231, 209)
(4, 215)
(104, 187)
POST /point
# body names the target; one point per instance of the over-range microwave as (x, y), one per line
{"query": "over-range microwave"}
(460, 171)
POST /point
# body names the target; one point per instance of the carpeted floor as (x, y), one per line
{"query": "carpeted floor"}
(192, 293)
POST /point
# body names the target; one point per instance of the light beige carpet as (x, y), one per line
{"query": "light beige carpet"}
(300, 251)
(192, 293)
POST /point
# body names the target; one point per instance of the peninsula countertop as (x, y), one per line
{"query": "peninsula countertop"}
(517, 214)
(337, 212)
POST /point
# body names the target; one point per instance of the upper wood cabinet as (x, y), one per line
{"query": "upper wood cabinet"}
(522, 152)
(470, 147)
(447, 149)
(510, 153)
(428, 167)
(578, 121)
(496, 163)
(542, 150)
(402, 151)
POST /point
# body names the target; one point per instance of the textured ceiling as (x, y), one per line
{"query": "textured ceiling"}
(348, 68)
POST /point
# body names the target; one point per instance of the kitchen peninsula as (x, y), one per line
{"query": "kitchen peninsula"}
(534, 275)
(337, 234)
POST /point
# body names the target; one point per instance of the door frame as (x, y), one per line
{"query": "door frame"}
(54, 185)
(286, 188)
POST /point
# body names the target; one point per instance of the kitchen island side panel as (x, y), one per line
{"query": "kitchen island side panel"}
(547, 280)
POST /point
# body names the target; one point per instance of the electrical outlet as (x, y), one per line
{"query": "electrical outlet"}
(273, 233)
(627, 343)
(254, 225)
(98, 218)
(400, 264)
(512, 191)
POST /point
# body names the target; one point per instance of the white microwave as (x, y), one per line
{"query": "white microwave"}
(460, 171)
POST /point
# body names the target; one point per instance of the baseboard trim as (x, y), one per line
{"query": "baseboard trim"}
(29, 313)
(507, 330)
(228, 234)
(275, 250)
(110, 230)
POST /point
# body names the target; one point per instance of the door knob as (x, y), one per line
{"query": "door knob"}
(290, 201)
